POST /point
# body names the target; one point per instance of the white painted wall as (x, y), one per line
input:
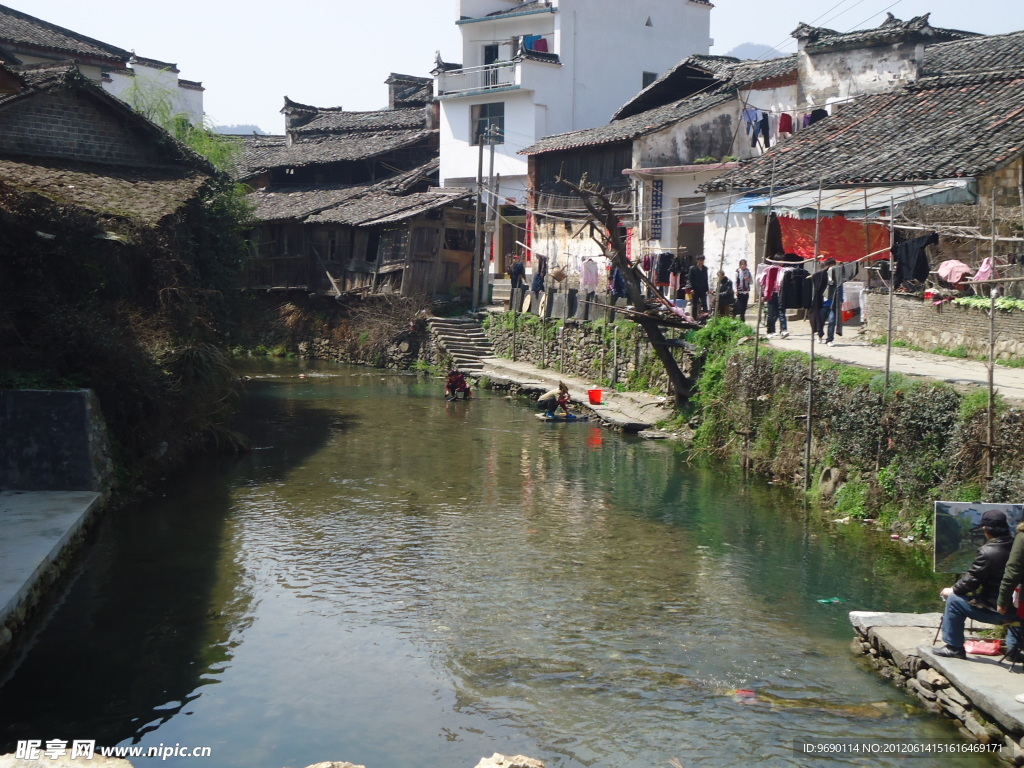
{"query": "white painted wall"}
(604, 47)
(740, 240)
(188, 101)
(830, 77)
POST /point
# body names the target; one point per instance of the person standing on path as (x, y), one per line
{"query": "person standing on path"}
(698, 284)
(743, 282)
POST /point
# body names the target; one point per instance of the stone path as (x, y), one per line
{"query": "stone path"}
(853, 347)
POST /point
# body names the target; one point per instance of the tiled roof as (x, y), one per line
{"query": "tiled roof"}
(299, 201)
(532, 6)
(340, 121)
(142, 197)
(917, 29)
(20, 29)
(978, 54)
(356, 204)
(262, 153)
(937, 128)
(727, 75)
(379, 208)
(632, 127)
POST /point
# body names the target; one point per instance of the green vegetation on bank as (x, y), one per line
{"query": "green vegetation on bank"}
(895, 450)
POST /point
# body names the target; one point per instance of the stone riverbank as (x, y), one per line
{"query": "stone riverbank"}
(976, 694)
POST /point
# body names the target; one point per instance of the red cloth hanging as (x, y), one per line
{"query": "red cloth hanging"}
(838, 238)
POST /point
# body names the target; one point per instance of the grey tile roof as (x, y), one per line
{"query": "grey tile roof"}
(379, 208)
(18, 29)
(340, 121)
(529, 6)
(978, 54)
(301, 201)
(145, 197)
(263, 153)
(937, 128)
(357, 204)
(726, 75)
(917, 29)
(629, 128)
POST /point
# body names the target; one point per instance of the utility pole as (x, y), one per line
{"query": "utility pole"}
(478, 243)
(491, 218)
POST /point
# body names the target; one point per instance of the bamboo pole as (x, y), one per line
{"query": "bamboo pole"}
(810, 377)
(760, 308)
(990, 446)
(892, 294)
(725, 239)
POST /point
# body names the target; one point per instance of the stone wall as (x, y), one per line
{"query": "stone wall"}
(597, 351)
(70, 125)
(947, 326)
(53, 441)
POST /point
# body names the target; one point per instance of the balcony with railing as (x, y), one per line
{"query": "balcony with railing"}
(501, 75)
(525, 71)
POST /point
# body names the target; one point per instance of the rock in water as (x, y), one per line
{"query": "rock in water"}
(501, 761)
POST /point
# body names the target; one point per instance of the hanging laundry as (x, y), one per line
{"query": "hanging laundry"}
(618, 284)
(541, 46)
(765, 128)
(816, 115)
(785, 123)
(661, 275)
(953, 271)
(912, 260)
(985, 270)
(796, 289)
(751, 118)
(589, 276)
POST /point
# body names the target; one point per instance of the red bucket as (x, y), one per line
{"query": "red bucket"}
(595, 396)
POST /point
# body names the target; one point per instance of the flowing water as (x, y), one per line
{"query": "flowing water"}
(394, 580)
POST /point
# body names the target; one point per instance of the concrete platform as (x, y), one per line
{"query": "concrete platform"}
(628, 411)
(957, 687)
(35, 529)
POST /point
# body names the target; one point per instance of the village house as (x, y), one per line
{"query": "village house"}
(689, 138)
(95, 202)
(348, 201)
(26, 40)
(534, 68)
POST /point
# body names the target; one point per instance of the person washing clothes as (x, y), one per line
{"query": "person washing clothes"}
(455, 385)
(555, 398)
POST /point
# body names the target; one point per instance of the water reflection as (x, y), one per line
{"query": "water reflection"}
(402, 580)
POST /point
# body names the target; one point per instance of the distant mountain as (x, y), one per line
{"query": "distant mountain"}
(239, 130)
(754, 51)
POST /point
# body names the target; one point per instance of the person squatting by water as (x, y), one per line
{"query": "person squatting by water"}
(455, 385)
(976, 594)
(555, 398)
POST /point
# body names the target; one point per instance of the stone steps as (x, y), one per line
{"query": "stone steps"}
(463, 339)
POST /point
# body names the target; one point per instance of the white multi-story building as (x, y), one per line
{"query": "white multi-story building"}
(536, 68)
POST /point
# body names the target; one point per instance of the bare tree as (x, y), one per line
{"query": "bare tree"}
(603, 212)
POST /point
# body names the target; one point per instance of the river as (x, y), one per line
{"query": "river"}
(393, 580)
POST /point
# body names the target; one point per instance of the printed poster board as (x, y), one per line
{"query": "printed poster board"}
(956, 541)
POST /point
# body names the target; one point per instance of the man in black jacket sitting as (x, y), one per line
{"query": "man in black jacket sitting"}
(982, 579)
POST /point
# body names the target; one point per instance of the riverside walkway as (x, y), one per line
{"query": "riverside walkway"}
(853, 347)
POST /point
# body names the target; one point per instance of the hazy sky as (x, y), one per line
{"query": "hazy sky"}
(251, 54)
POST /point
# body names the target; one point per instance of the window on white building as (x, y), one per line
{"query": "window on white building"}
(489, 123)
